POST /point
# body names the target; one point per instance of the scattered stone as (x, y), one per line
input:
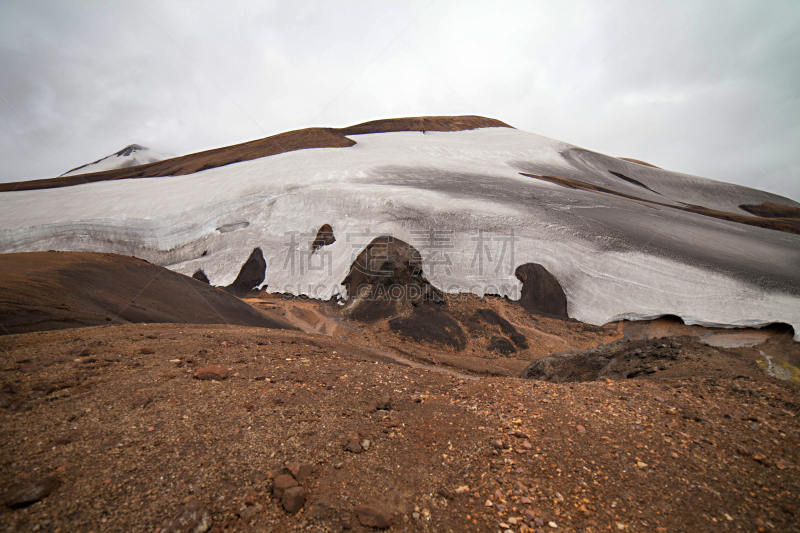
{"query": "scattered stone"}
(353, 446)
(146, 350)
(365, 444)
(373, 516)
(28, 368)
(384, 404)
(141, 400)
(249, 511)
(281, 483)
(25, 494)
(114, 358)
(81, 352)
(580, 429)
(193, 518)
(215, 372)
(293, 499)
(300, 471)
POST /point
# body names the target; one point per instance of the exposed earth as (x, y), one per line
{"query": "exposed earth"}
(416, 420)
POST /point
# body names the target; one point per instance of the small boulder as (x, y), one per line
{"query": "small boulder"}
(281, 483)
(293, 499)
(300, 471)
(385, 403)
(192, 518)
(353, 446)
(215, 372)
(373, 516)
(25, 494)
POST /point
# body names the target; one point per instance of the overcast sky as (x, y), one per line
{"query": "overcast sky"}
(707, 88)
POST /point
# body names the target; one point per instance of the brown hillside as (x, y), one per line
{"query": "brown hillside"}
(272, 145)
(57, 290)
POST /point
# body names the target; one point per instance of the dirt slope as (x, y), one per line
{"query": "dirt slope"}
(56, 290)
(275, 144)
(105, 429)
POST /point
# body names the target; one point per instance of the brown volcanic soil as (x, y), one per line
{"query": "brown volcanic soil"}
(106, 429)
(56, 290)
(772, 210)
(113, 416)
(275, 144)
(638, 162)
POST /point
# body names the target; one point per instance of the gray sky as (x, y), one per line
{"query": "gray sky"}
(707, 88)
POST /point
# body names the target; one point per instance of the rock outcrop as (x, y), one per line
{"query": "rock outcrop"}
(541, 291)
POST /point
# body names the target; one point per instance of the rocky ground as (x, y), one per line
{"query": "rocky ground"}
(111, 428)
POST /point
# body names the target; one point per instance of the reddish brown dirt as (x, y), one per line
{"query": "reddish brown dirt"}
(638, 162)
(56, 290)
(780, 223)
(275, 144)
(131, 437)
(108, 430)
(773, 210)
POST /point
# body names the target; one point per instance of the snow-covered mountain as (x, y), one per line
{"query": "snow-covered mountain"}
(624, 240)
(130, 156)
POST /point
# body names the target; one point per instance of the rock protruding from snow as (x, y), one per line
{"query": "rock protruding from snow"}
(201, 276)
(324, 237)
(386, 280)
(251, 275)
(130, 156)
(541, 291)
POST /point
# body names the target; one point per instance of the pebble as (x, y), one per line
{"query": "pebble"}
(281, 483)
(300, 471)
(373, 516)
(293, 499)
(384, 404)
(26, 494)
(365, 444)
(353, 446)
(580, 429)
(215, 372)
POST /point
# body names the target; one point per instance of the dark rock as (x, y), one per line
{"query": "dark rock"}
(373, 516)
(385, 403)
(192, 518)
(300, 471)
(25, 494)
(293, 499)
(490, 316)
(8, 395)
(147, 350)
(386, 280)
(201, 276)
(251, 274)
(541, 291)
(141, 400)
(216, 372)
(28, 368)
(114, 358)
(502, 345)
(431, 324)
(81, 352)
(353, 446)
(324, 237)
(281, 483)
